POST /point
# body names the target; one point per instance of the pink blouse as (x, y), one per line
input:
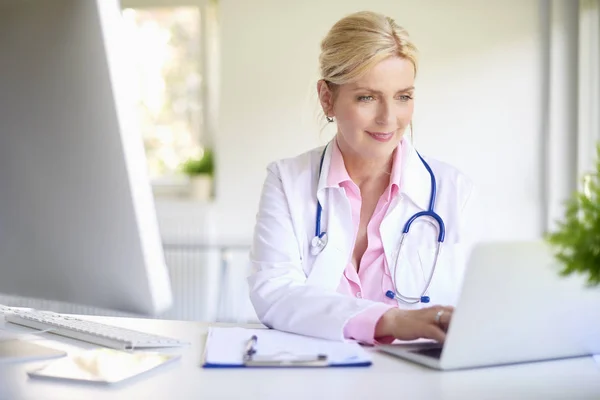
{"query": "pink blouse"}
(372, 280)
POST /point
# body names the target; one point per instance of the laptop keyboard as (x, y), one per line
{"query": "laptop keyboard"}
(433, 352)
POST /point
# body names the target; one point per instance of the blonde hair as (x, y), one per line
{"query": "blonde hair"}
(358, 42)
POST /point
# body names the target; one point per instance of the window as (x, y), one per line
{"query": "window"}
(168, 49)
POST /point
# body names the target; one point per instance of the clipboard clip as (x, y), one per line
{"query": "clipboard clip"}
(281, 359)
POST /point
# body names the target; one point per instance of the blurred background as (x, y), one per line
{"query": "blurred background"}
(506, 91)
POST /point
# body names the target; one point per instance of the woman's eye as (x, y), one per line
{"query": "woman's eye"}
(403, 98)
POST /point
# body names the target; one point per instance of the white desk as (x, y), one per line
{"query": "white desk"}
(387, 378)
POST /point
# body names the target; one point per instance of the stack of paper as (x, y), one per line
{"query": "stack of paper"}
(225, 347)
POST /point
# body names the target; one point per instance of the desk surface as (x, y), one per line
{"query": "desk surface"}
(388, 377)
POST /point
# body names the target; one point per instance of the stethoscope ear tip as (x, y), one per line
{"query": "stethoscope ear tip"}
(391, 295)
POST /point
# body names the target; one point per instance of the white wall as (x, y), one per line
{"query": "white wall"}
(478, 105)
(480, 101)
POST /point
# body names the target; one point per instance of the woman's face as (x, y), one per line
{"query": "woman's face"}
(373, 112)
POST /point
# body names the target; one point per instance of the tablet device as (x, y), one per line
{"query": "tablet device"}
(102, 366)
(17, 350)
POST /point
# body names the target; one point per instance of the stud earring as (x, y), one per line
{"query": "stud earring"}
(329, 119)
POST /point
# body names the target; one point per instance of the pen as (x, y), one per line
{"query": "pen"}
(250, 350)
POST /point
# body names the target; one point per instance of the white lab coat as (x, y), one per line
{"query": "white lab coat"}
(294, 291)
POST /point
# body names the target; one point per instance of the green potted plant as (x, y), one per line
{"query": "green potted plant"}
(200, 170)
(577, 238)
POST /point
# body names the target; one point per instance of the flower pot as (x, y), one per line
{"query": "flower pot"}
(201, 187)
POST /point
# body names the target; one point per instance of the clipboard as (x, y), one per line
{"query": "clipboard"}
(268, 348)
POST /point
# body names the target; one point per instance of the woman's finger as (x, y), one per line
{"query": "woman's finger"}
(434, 332)
(445, 322)
(442, 317)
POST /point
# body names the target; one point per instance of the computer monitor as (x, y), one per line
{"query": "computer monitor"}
(77, 217)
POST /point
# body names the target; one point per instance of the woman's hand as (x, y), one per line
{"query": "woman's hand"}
(428, 323)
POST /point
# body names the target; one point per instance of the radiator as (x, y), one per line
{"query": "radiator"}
(209, 284)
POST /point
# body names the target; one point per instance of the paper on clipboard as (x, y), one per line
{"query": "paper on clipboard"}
(225, 348)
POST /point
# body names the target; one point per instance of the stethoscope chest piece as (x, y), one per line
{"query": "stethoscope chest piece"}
(318, 243)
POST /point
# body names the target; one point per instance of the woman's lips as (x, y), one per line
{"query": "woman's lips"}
(381, 136)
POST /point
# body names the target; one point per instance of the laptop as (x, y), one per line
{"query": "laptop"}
(514, 307)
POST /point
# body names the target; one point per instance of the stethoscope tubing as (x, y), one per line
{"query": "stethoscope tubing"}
(320, 240)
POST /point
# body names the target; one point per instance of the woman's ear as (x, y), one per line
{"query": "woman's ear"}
(325, 97)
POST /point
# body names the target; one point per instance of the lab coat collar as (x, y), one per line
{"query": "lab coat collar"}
(323, 177)
(415, 180)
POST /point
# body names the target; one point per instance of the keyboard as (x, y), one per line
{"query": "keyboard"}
(87, 331)
(433, 352)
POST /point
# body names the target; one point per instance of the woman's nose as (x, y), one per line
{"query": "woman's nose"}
(385, 115)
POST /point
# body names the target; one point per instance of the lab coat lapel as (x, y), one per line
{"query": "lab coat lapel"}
(328, 266)
(415, 181)
(413, 197)
(391, 228)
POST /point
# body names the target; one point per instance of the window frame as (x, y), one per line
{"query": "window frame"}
(180, 186)
(588, 134)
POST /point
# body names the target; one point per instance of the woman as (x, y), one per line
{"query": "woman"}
(353, 282)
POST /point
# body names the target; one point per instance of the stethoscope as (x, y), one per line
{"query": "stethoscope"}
(319, 241)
